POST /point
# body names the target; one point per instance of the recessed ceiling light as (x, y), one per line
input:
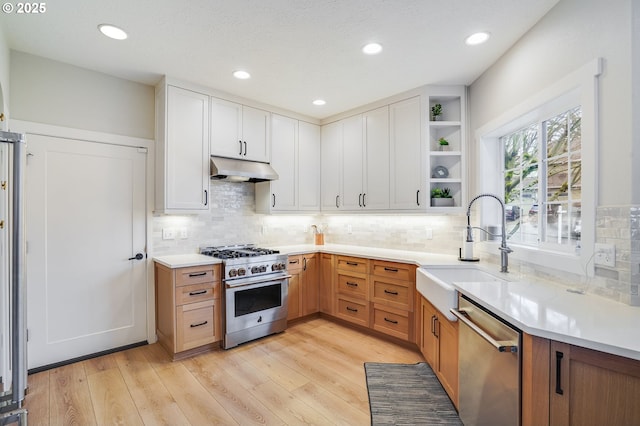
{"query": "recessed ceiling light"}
(477, 38)
(319, 102)
(241, 75)
(372, 49)
(112, 31)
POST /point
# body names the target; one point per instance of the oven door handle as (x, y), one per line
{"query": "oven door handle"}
(256, 280)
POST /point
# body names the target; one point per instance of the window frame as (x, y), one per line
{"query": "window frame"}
(579, 88)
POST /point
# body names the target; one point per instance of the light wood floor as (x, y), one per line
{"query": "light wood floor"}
(312, 373)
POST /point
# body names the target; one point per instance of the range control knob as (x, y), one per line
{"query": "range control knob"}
(255, 269)
(233, 272)
(242, 272)
(275, 267)
(263, 268)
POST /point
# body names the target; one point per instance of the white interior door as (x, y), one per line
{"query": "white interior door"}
(85, 217)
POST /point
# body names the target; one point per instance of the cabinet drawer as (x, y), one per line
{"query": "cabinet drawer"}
(394, 322)
(355, 311)
(195, 325)
(398, 294)
(352, 285)
(197, 274)
(352, 264)
(197, 293)
(294, 263)
(396, 271)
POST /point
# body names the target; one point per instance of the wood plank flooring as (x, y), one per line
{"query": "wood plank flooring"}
(312, 373)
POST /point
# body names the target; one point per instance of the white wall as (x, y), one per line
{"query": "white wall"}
(51, 92)
(570, 35)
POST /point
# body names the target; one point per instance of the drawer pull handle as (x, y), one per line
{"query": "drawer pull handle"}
(198, 274)
(390, 269)
(350, 284)
(352, 263)
(395, 293)
(293, 262)
(195, 293)
(199, 324)
(559, 356)
(391, 321)
(351, 309)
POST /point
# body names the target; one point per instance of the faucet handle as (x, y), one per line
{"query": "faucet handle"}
(505, 249)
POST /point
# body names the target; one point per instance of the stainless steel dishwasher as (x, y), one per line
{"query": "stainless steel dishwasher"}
(489, 367)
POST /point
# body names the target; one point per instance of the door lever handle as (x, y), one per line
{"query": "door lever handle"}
(138, 256)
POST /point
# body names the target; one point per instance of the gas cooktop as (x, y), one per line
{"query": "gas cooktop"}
(237, 251)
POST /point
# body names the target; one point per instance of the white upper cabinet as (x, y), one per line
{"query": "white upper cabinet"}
(331, 167)
(239, 131)
(406, 156)
(295, 156)
(309, 166)
(352, 163)
(375, 182)
(182, 157)
(362, 144)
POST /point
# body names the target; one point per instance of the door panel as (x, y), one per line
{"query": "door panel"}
(85, 217)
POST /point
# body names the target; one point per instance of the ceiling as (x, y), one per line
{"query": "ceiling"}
(295, 50)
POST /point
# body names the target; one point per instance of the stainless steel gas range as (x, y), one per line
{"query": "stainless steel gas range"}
(256, 285)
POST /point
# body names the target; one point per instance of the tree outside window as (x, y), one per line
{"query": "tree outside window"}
(542, 181)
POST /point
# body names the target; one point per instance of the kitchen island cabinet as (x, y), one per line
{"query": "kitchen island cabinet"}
(188, 308)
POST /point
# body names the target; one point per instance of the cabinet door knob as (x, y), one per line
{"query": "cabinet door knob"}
(240, 142)
(245, 148)
(418, 197)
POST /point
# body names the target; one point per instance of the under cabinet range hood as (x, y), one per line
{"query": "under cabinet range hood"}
(233, 170)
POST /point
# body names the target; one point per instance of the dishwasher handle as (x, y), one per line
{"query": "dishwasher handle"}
(501, 346)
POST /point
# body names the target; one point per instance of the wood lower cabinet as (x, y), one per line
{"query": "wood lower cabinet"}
(303, 298)
(564, 384)
(438, 342)
(392, 289)
(188, 308)
(352, 290)
(325, 286)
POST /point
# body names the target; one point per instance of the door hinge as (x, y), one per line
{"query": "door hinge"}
(142, 150)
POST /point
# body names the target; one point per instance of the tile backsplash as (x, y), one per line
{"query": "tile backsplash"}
(232, 220)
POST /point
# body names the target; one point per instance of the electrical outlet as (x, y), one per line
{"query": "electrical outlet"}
(168, 234)
(182, 233)
(605, 255)
(349, 229)
(429, 233)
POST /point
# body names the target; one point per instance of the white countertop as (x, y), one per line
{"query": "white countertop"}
(537, 308)
(550, 311)
(185, 260)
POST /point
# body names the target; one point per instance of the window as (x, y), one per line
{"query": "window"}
(541, 155)
(542, 182)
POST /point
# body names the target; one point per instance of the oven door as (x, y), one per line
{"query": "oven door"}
(255, 304)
